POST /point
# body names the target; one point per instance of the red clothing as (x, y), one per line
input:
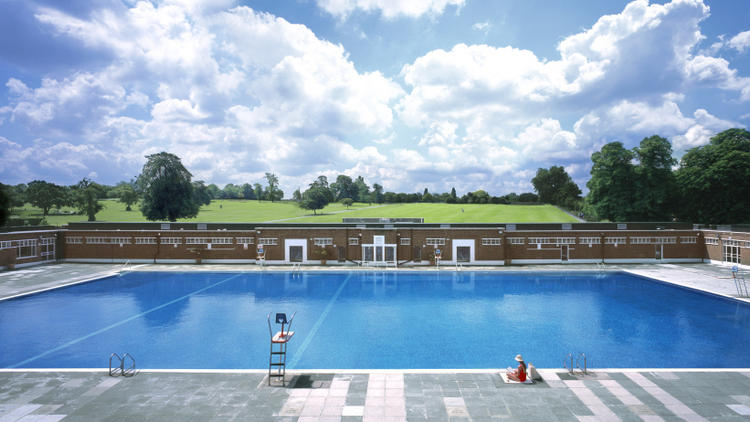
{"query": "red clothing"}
(521, 372)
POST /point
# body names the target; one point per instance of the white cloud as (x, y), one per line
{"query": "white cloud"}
(740, 42)
(482, 27)
(249, 92)
(389, 9)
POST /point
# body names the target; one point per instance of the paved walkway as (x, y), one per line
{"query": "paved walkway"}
(378, 396)
(627, 395)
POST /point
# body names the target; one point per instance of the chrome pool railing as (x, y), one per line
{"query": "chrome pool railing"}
(739, 282)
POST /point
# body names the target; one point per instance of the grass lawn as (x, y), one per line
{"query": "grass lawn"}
(455, 213)
(235, 211)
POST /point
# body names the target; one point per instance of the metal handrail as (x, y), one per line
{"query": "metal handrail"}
(114, 355)
(129, 372)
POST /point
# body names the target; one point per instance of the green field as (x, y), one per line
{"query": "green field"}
(235, 211)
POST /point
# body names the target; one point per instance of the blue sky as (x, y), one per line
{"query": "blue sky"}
(426, 93)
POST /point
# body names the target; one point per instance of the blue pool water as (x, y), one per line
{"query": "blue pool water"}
(375, 320)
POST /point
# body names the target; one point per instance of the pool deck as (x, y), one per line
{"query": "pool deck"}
(446, 395)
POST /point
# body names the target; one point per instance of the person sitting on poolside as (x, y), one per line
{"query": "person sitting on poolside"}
(520, 373)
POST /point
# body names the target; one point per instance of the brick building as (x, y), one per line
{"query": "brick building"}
(375, 243)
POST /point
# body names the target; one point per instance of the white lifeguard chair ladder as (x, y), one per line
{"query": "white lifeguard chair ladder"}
(279, 341)
(261, 255)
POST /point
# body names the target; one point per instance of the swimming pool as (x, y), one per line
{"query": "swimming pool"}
(370, 320)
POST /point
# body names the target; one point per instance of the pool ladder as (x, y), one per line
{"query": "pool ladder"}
(573, 362)
(739, 282)
(121, 369)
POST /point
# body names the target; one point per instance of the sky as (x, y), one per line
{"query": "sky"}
(471, 94)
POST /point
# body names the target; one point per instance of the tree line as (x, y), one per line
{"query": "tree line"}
(710, 184)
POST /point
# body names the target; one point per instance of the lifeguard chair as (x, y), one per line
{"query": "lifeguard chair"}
(438, 255)
(261, 255)
(279, 341)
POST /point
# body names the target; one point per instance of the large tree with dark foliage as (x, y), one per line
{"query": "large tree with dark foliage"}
(86, 196)
(612, 183)
(555, 187)
(166, 188)
(44, 195)
(314, 198)
(714, 180)
(654, 180)
(5, 204)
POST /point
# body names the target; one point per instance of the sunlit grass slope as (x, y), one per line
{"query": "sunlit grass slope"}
(229, 211)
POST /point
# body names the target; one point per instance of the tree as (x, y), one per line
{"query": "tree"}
(201, 193)
(655, 181)
(296, 195)
(273, 191)
(314, 199)
(214, 191)
(555, 187)
(86, 196)
(343, 187)
(612, 183)
(167, 190)
(347, 202)
(377, 194)
(5, 204)
(481, 197)
(258, 191)
(322, 183)
(17, 195)
(427, 196)
(126, 194)
(714, 180)
(528, 197)
(453, 198)
(44, 195)
(363, 191)
(247, 191)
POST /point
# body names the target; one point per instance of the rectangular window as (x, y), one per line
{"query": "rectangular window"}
(406, 241)
(323, 241)
(615, 240)
(268, 241)
(667, 240)
(197, 240)
(171, 240)
(5, 244)
(96, 240)
(353, 241)
(145, 241)
(639, 240)
(245, 240)
(73, 240)
(435, 241)
(491, 241)
(119, 240)
(688, 239)
(712, 241)
(48, 241)
(566, 241)
(25, 248)
(542, 240)
(221, 240)
(738, 243)
(516, 240)
(589, 240)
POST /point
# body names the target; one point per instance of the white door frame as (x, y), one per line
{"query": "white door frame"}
(456, 243)
(295, 242)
